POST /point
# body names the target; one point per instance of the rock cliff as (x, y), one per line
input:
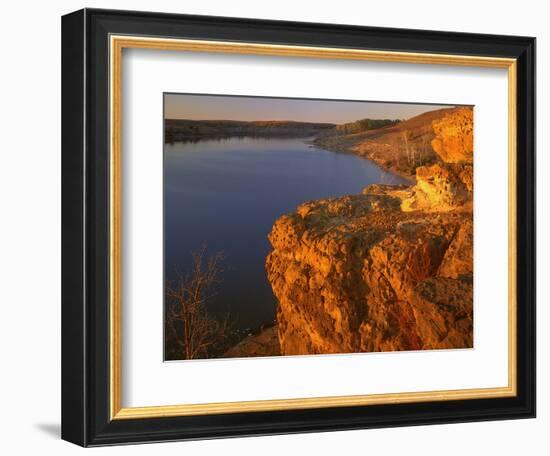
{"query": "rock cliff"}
(454, 140)
(389, 269)
(448, 184)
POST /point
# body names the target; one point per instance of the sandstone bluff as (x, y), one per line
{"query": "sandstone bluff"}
(388, 269)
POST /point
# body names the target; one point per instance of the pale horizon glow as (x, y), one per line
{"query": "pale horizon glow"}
(228, 107)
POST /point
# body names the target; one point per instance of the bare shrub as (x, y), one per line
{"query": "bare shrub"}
(191, 331)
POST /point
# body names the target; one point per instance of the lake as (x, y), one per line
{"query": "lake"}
(228, 193)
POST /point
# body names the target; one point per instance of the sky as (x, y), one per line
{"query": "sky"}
(223, 107)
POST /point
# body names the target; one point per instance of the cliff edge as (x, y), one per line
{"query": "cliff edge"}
(389, 269)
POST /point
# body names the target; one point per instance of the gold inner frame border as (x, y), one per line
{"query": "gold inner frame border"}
(117, 44)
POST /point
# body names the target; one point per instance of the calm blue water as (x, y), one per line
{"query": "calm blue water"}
(227, 194)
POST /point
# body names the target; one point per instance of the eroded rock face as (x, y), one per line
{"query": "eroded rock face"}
(459, 257)
(357, 274)
(454, 140)
(441, 187)
(447, 185)
(389, 269)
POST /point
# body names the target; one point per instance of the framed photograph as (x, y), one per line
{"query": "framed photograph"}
(278, 227)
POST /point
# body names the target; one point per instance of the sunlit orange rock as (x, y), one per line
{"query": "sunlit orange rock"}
(389, 269)
(459, 257)
(454, 140)
(349, 274)
(440, 187)
(447, 185)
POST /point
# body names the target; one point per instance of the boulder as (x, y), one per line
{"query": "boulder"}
(439, 187)
(454, 136)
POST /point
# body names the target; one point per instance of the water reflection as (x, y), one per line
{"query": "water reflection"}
(227, 192)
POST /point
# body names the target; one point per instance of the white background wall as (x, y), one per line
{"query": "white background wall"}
(30, 226)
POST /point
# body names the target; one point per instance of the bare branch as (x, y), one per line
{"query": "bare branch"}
(191, 331)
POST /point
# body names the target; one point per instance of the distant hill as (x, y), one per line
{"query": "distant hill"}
(364, 125)
(196, 130)
(400, 147)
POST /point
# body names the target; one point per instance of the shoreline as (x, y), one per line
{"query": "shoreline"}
(344, 150)
(308, 139)
(220, 137)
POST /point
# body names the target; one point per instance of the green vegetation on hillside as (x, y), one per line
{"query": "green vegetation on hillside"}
(364, 125)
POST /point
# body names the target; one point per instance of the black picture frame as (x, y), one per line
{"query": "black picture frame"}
(85, 225)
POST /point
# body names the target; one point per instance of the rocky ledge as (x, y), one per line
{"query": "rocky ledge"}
(389, 269)
(264, 343)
